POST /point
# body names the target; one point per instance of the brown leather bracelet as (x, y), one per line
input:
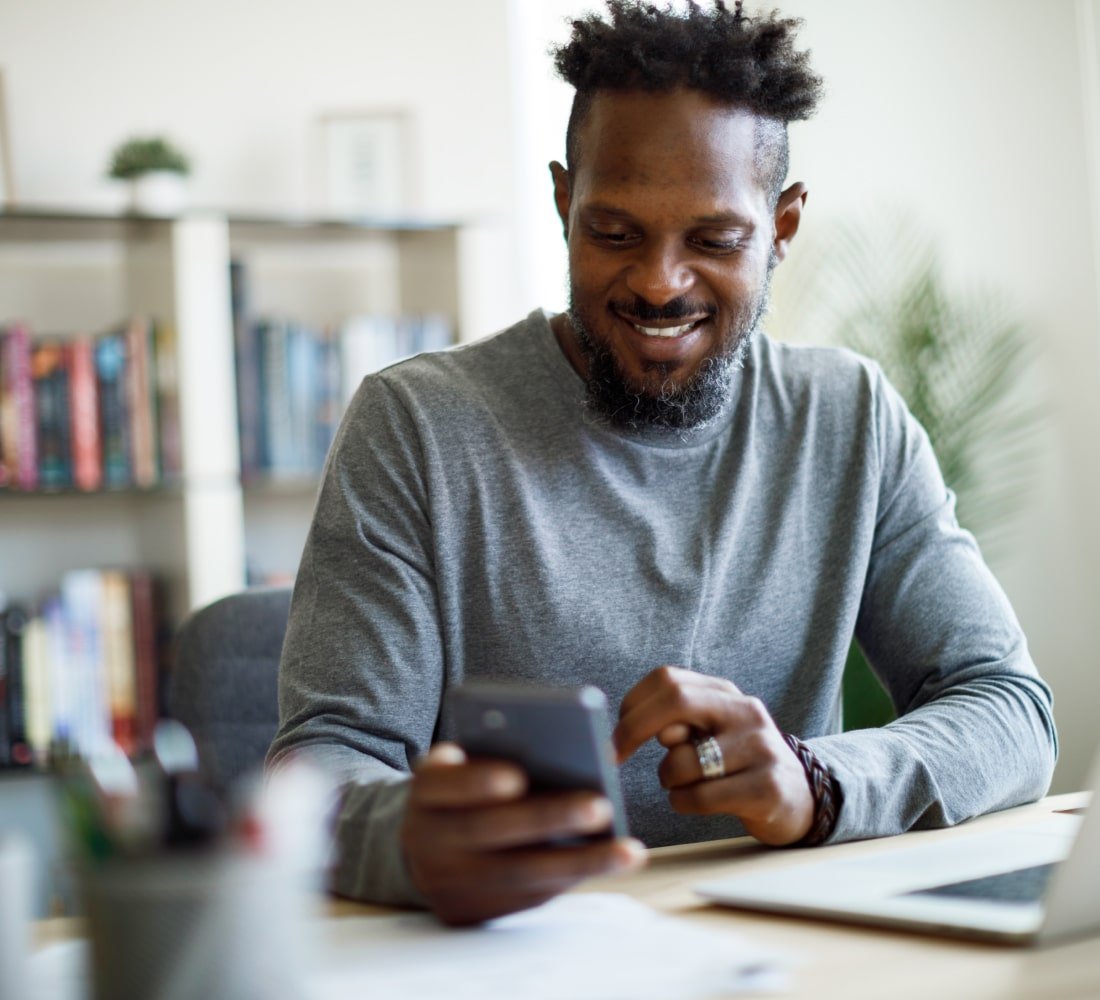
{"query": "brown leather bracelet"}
(826, 792)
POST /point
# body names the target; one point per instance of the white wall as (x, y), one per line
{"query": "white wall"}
(970, 114)
(240, 87)
(970, 117)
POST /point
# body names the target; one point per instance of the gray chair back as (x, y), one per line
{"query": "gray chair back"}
(224, 680)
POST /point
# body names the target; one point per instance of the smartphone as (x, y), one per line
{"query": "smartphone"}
(560, 736)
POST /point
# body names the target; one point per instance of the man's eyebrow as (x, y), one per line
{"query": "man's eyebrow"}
(725, 219)
(715, 219)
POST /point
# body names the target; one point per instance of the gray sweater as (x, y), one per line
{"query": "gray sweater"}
(475, 520)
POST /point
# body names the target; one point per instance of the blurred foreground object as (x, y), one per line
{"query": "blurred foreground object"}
(190, 894)
(16, 876)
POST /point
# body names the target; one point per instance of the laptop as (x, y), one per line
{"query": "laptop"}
(1029, 884)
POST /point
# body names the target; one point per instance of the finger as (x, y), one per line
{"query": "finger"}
(774, 808)
(745, 794)
(673, 735)
(501, 892)
(536, 819)
(701, 705)
(538, 870)
(440, 755)
(440, 784)
(653, 682)
(740, 750)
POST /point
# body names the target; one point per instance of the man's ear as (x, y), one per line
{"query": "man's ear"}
(561, 194)
(788, 214)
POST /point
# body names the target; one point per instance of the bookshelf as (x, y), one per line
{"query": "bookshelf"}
(67, 271)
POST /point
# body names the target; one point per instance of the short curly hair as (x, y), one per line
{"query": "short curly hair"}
(746, 62)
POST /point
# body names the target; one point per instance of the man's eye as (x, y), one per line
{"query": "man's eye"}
(719, 246)
(616, 237)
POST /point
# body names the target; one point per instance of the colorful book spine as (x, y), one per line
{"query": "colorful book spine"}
(114, 410)
(84, 413)
(50, 374)
(18, 426)
(118, 648)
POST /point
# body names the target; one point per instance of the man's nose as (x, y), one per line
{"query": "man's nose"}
(659, 274)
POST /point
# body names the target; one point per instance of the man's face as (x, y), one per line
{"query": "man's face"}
(671, 243)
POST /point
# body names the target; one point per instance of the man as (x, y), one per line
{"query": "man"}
(649, 495)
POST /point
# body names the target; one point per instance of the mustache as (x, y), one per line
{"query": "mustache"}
(638, 308)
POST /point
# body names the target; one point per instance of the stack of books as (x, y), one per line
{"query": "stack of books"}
(294, 380)
(80, 668)
(90, 411)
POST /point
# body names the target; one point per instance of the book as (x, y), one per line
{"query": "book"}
(17, 410)
(278, 434)
(167, 396)
(303, 386)
(147, 680)
(50, 375)
(246, 339)
(114, 409)
(7, 441)
(368, 344)
(12, 627)
(5, 718)
(328, 403)
(118, 658)
(140, 396)
(82, 619)
(37, 689)
(87, 453)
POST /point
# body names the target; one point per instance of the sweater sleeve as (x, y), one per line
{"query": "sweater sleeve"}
(362, 667)
(975, 731)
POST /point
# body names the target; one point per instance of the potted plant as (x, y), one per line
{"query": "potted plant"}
(958, 357)
(156, 171)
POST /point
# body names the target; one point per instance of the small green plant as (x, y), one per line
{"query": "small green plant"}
(139, 156)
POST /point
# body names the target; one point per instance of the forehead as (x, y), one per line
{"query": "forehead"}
(683, 144)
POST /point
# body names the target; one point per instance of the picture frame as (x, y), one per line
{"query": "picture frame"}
(7, 177)
(366, 164)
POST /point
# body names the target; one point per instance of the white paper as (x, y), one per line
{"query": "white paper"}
(581, 946)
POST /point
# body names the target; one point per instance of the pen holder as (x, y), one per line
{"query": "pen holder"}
(199, 924)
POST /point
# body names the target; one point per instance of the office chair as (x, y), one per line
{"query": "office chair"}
(224, 681)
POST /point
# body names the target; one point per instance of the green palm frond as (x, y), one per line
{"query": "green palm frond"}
(959, 359)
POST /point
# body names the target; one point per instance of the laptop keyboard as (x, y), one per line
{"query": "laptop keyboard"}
(1025, 885)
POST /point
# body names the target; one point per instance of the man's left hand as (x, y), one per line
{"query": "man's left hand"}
(764, 784)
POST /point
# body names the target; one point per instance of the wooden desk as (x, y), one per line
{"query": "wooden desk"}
(853, 963)
(835, 961)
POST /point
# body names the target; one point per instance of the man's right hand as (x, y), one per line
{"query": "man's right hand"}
(475, 840)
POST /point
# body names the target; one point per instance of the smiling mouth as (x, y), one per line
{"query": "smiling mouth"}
(666, 332)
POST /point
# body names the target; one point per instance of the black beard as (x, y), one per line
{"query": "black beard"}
(694, 404)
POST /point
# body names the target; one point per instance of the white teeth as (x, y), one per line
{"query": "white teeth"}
(668, 331)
